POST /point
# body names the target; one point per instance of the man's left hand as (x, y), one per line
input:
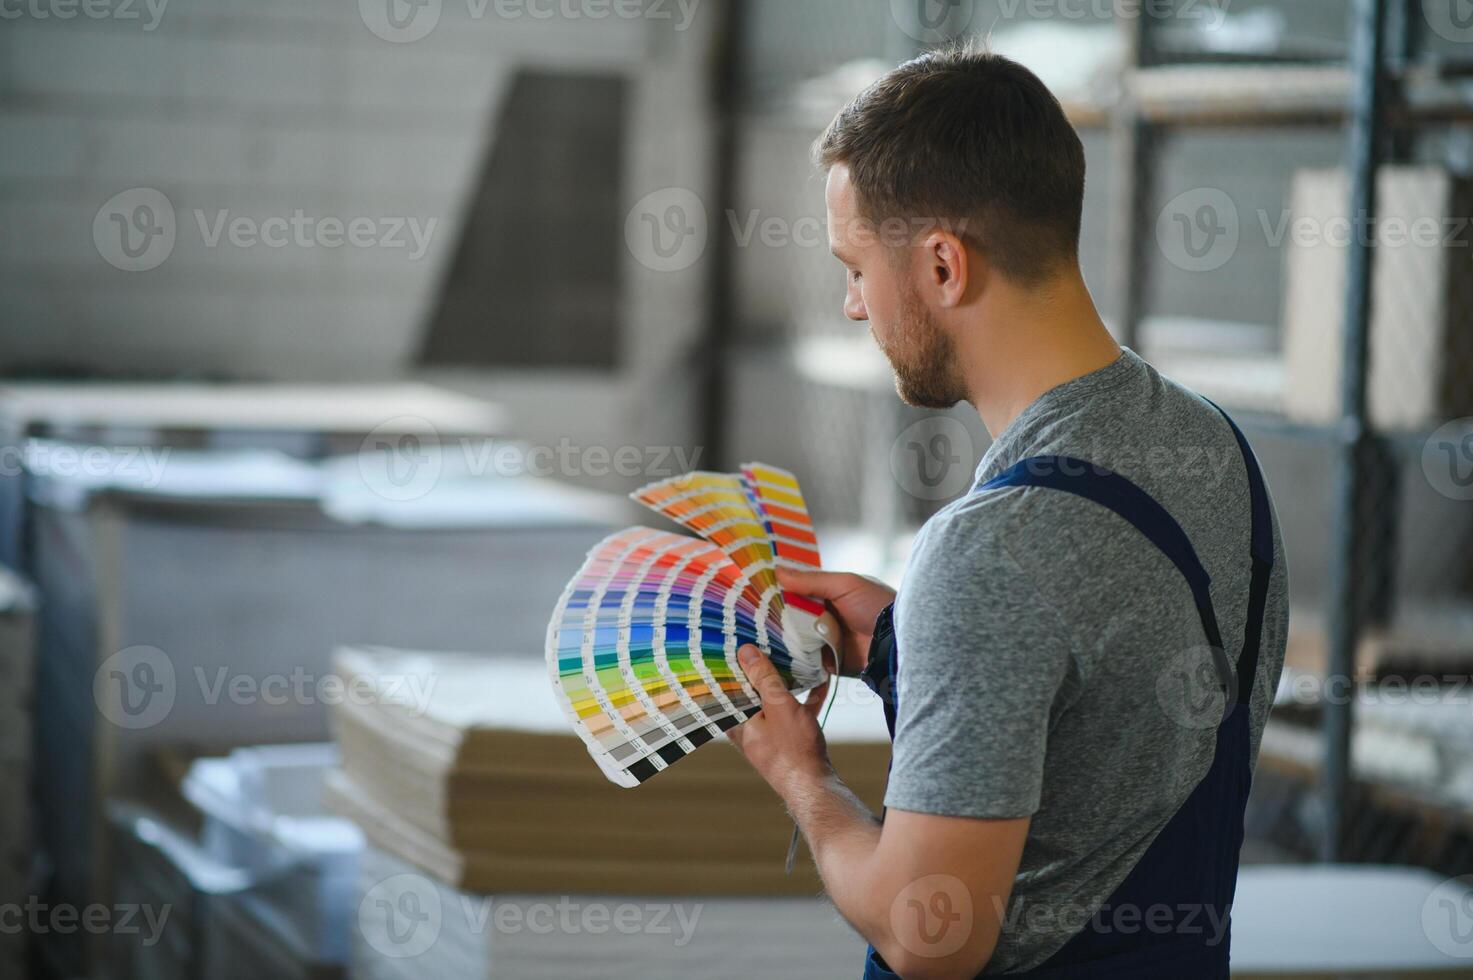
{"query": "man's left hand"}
(782, 741)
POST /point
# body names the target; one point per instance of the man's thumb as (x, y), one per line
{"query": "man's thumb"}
(763, 675)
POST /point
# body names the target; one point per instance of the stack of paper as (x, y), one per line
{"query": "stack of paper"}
(466, 766)
(411, 926)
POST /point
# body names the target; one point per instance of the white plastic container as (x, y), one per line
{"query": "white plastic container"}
(263, 814)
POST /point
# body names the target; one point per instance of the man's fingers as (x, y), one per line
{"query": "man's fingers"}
(764, 677)
(820, 585)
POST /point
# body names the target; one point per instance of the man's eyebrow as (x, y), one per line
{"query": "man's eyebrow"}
(838, 252)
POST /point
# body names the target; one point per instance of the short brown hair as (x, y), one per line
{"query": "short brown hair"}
(961, 134)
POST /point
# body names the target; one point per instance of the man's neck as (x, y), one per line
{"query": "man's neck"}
(1035, 340)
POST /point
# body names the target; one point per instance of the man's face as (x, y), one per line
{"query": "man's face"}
(882, 289)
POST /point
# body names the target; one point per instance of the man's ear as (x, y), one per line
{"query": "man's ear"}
(948, 268)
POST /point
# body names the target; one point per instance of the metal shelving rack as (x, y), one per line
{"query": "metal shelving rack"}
(1379, 95)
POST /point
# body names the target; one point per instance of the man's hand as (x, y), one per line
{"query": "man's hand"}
(928, 891)
(855, 601)
(782, 741)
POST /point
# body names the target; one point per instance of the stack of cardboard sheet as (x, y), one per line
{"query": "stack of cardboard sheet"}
(1421, 297)
(466, 766)
(410, 926)
(260, 564)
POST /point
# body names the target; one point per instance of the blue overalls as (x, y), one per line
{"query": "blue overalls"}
(1189, 872)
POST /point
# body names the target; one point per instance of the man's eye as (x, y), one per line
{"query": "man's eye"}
(854, 275)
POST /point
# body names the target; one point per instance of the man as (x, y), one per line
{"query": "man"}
(1079, 663)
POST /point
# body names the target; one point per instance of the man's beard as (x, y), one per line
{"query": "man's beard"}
(923, 357)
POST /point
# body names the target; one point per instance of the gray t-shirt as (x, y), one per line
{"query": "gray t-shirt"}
(1052, 661)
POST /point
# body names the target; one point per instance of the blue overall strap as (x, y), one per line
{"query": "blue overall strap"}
(882, 670)
(1261, 550)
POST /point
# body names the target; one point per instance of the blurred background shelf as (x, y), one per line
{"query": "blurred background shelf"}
(1255, 95)
(222, 411)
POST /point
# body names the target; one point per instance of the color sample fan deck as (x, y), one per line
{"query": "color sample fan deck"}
(642, 646)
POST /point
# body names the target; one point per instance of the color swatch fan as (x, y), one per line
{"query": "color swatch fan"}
(642, 646)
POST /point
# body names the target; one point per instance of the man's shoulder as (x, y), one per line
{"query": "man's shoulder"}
(974, 584)
(1009, 531)
(997, 519)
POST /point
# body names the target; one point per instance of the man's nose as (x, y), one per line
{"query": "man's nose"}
(854, 308)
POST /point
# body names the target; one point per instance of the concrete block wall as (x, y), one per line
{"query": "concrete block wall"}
(260, 109)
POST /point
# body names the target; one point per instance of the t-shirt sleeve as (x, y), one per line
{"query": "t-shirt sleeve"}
(983, 657)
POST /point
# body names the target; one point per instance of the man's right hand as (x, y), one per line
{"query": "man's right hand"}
(855, 602)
